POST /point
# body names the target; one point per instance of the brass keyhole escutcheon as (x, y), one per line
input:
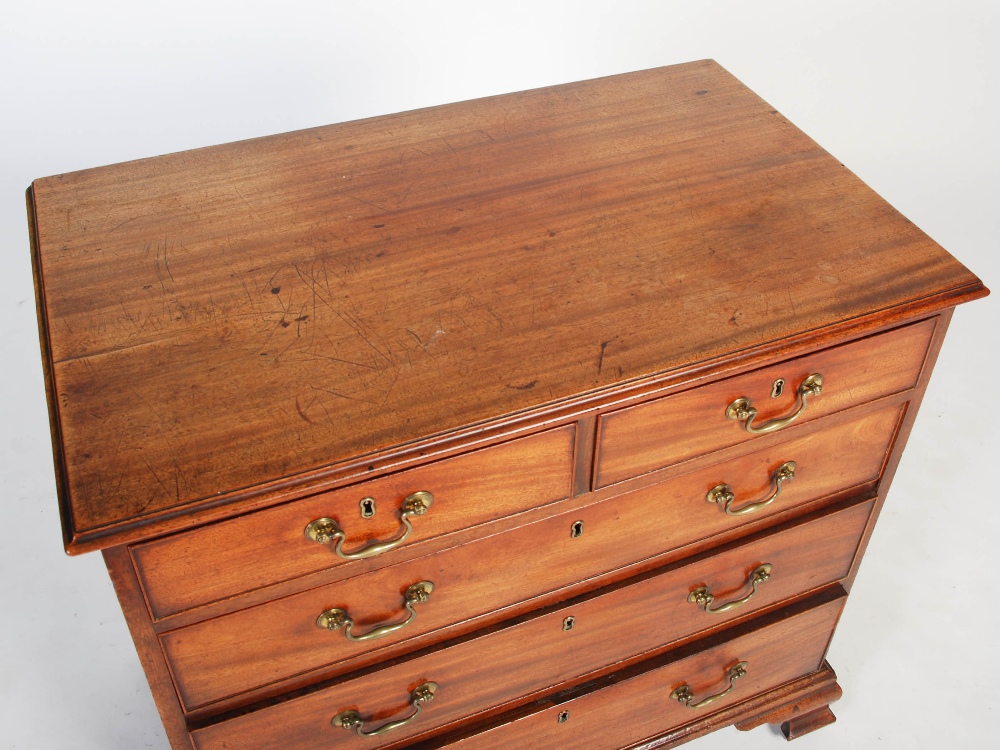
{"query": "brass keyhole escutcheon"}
(367, 507)
(576, 530)
(563, 717)
(778, 387)
(568, 623)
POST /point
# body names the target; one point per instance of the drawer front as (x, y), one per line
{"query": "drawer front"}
(639, 706)
(541, 653)
(652, 435)
(509, 573)
(231, 557)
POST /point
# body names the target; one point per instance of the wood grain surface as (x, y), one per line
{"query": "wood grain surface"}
(510, 573)
(669, 430)
(219, 317)
(147, 646)
(269, 546)
(634, 710)
(611, 718)
(810, 691)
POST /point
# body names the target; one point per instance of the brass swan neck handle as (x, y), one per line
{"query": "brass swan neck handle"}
(742, 410)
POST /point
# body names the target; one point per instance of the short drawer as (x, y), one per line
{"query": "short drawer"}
(269, 546)
(666, 431)
(510, 573)
(639, 704)
(567, 643)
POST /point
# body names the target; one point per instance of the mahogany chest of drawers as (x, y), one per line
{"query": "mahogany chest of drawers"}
(488, 424)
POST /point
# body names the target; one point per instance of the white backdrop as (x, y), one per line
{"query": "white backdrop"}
(904, 93)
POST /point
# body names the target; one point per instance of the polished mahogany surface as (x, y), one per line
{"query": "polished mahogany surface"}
(217, 319)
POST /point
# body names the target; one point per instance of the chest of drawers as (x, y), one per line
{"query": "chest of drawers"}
(555, 419)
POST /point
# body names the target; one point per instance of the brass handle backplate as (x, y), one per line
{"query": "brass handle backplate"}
(684, 695)
(704, 598)
(328, 531)
(352, 721)
(743, 411)
(723, 495)
(335, 619)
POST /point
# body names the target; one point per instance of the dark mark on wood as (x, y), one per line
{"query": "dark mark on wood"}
(600, 360)
(302, 414)
(165, 264)
(525, 387)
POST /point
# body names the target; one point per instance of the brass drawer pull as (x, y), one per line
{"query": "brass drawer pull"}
(327, 531)
(335, 619)
(351, 720)
(684, 695)
(723, 495)
(742, 411)
(704, 598)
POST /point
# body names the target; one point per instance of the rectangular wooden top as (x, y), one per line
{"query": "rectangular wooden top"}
(218, 318)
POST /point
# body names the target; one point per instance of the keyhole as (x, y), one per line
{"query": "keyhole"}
(568, 623)
(367, 507)
(563, 717)
(576, 530)
(778, 387)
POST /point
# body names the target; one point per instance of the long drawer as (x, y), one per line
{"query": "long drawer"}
(573, 640)
(509, 573)
(269, 546)
(642, 703)
(666, 431)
